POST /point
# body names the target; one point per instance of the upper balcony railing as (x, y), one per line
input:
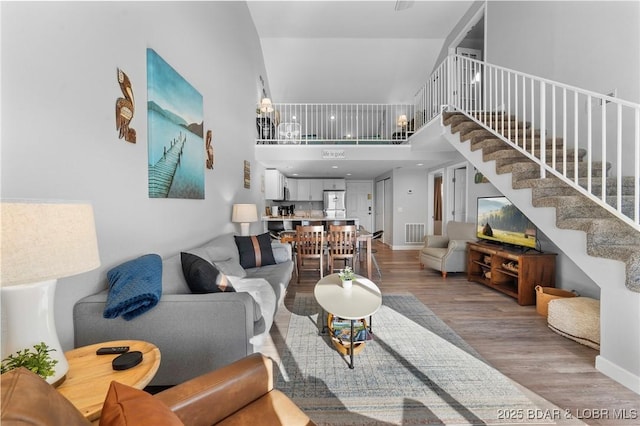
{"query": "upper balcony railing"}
(592, 139)
(346, 124)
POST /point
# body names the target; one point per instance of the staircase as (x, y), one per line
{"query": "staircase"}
(606, 235)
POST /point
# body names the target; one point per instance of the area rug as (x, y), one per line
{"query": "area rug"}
(415, 370)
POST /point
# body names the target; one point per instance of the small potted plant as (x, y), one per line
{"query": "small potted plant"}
(347, 276)
(38, 361)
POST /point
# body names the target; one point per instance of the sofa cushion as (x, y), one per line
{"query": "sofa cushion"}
(277, 275)
(28, 399)
(202, 276)
(255, 250)
(230, 267)
(173, 280)
(128, 406)
(281, 252)
(223, 253)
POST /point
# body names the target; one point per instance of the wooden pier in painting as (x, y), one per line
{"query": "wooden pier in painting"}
(161, 174)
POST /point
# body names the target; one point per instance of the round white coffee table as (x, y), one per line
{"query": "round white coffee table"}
(362, 300)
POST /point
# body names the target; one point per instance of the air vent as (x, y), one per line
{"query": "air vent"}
(413, 233)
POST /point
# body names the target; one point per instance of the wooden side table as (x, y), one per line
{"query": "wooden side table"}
(90, 375)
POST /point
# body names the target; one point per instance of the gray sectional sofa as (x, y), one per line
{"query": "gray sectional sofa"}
(197, 333)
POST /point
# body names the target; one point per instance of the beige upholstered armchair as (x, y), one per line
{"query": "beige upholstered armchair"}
(447, 253)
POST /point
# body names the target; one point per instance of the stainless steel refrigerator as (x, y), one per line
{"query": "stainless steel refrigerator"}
(335, 204)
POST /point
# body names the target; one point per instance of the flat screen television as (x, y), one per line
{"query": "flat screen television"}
(500, 221)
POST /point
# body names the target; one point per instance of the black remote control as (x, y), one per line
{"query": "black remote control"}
(112, 350)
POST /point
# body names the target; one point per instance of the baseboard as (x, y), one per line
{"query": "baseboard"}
(618, 374)
(405, 247)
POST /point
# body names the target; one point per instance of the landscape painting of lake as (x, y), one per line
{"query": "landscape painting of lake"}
(176, 143)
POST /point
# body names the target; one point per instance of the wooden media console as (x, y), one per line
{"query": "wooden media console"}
(511, 271)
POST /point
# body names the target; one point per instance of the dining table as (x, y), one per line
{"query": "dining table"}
(362, 237)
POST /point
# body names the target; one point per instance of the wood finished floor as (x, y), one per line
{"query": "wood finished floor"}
(512, 338)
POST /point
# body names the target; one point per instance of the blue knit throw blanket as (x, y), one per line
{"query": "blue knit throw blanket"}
(134, 287)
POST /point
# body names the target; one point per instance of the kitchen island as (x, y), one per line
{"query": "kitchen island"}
(280, 223)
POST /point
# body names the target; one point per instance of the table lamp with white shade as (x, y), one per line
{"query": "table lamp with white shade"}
(40, 243)
(244, 214)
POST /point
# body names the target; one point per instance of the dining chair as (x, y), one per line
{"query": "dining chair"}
(310, 243)
(341, 241)
(376, 236)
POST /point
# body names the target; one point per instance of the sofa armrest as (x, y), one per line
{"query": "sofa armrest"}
(281, 251)
(436, 241)
(218, 394)
(196, 333)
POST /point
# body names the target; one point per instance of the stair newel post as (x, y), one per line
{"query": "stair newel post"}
(543, 131)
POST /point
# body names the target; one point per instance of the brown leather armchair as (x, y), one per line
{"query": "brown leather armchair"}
(238, 394)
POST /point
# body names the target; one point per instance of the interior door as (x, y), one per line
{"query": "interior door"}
(360, 202)
(437, 204)
(387, 237)
(379, 207)
(460, 194)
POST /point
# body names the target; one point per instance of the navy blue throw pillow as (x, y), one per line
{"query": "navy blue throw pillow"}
(255, 250)
(202, 276)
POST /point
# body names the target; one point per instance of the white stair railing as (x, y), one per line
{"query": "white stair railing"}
(303, 123)
(573, 122)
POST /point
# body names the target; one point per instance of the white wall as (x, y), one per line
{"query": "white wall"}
(410, 199)
(59, 139)
(590, 44)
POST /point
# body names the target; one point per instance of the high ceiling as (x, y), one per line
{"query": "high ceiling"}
(352, 51)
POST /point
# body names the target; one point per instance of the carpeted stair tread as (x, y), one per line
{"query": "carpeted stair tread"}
(549, 182)
(604, 231)
(572, 206)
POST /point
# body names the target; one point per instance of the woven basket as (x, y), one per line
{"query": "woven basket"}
(341, 346)
(546, 294)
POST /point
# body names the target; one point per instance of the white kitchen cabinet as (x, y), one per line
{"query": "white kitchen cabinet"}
(316, 190)
(292, 184)
(309, 190)
(333, 184)
(273, 184)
